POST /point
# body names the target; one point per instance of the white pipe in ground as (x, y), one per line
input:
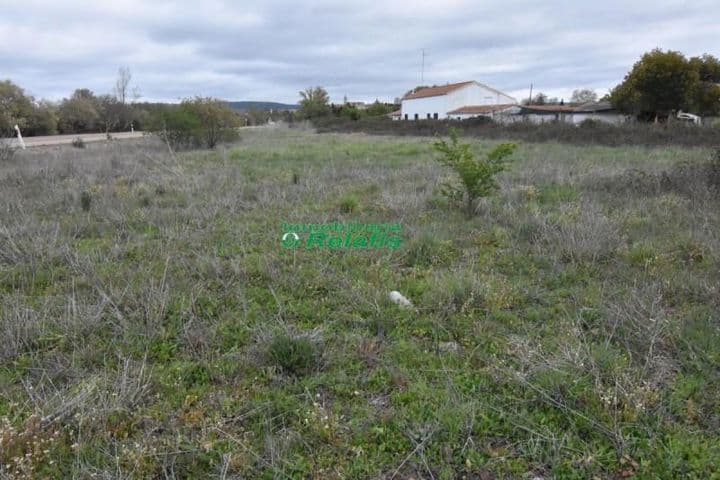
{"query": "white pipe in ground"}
(19, 137)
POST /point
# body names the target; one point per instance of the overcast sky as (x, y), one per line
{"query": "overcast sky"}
(269, 50)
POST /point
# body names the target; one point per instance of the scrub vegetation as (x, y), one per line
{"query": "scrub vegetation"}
(153, 326)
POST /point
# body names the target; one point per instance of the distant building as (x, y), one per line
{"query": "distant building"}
(460, 101)
(598, 111)
(546, 113)
(438, 102)
(571, 113)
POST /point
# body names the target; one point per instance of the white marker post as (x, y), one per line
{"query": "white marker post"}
(19, 137)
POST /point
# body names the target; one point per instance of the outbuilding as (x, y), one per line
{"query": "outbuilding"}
(597, 111)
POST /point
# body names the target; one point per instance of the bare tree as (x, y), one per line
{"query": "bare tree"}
(583, 95)
(122, 84)
(136, 93)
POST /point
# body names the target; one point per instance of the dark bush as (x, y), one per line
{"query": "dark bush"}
(589, 132)
(85, 200)
(177, 127)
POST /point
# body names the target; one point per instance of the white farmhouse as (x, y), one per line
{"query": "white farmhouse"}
(455, 100)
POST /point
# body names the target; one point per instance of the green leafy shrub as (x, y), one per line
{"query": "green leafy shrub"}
(218, 122)
(196, 123)
(477, 176)
(351, 112)
(295, 356)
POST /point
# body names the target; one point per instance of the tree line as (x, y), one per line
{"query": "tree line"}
(199, 122)
(83, 111)
(194, 122)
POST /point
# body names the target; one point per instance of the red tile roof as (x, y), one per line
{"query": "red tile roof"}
(550, 108)
(436, 91)
(595, 107)
(478, 109)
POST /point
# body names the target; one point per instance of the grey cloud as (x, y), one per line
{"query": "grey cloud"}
(365, 49)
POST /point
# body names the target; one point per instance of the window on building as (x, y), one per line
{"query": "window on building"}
(406, 116)
(428, 116)
(416, 116)
(435, 116)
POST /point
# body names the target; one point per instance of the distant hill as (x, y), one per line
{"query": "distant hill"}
(261, 106)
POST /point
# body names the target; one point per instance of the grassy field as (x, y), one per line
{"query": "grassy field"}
(153, 325)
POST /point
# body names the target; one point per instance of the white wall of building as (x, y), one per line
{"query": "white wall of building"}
(612, 118)
(472, 94)
(475, 94)
(423, 106)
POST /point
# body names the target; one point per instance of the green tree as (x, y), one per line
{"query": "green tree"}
(706, 100)
(658, 84)
(314, 103)
(84, 94)
(351, 112)
(44, 119)
(16, 108)
(707, 66)
(476, 175)
(219, 123)
(176, 126)
(195, 123)
(377, 109)
(79, 113)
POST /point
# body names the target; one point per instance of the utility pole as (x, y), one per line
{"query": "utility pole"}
(530, 99)
(422, 68)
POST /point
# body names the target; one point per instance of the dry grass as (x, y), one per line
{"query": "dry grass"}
(568, 330)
